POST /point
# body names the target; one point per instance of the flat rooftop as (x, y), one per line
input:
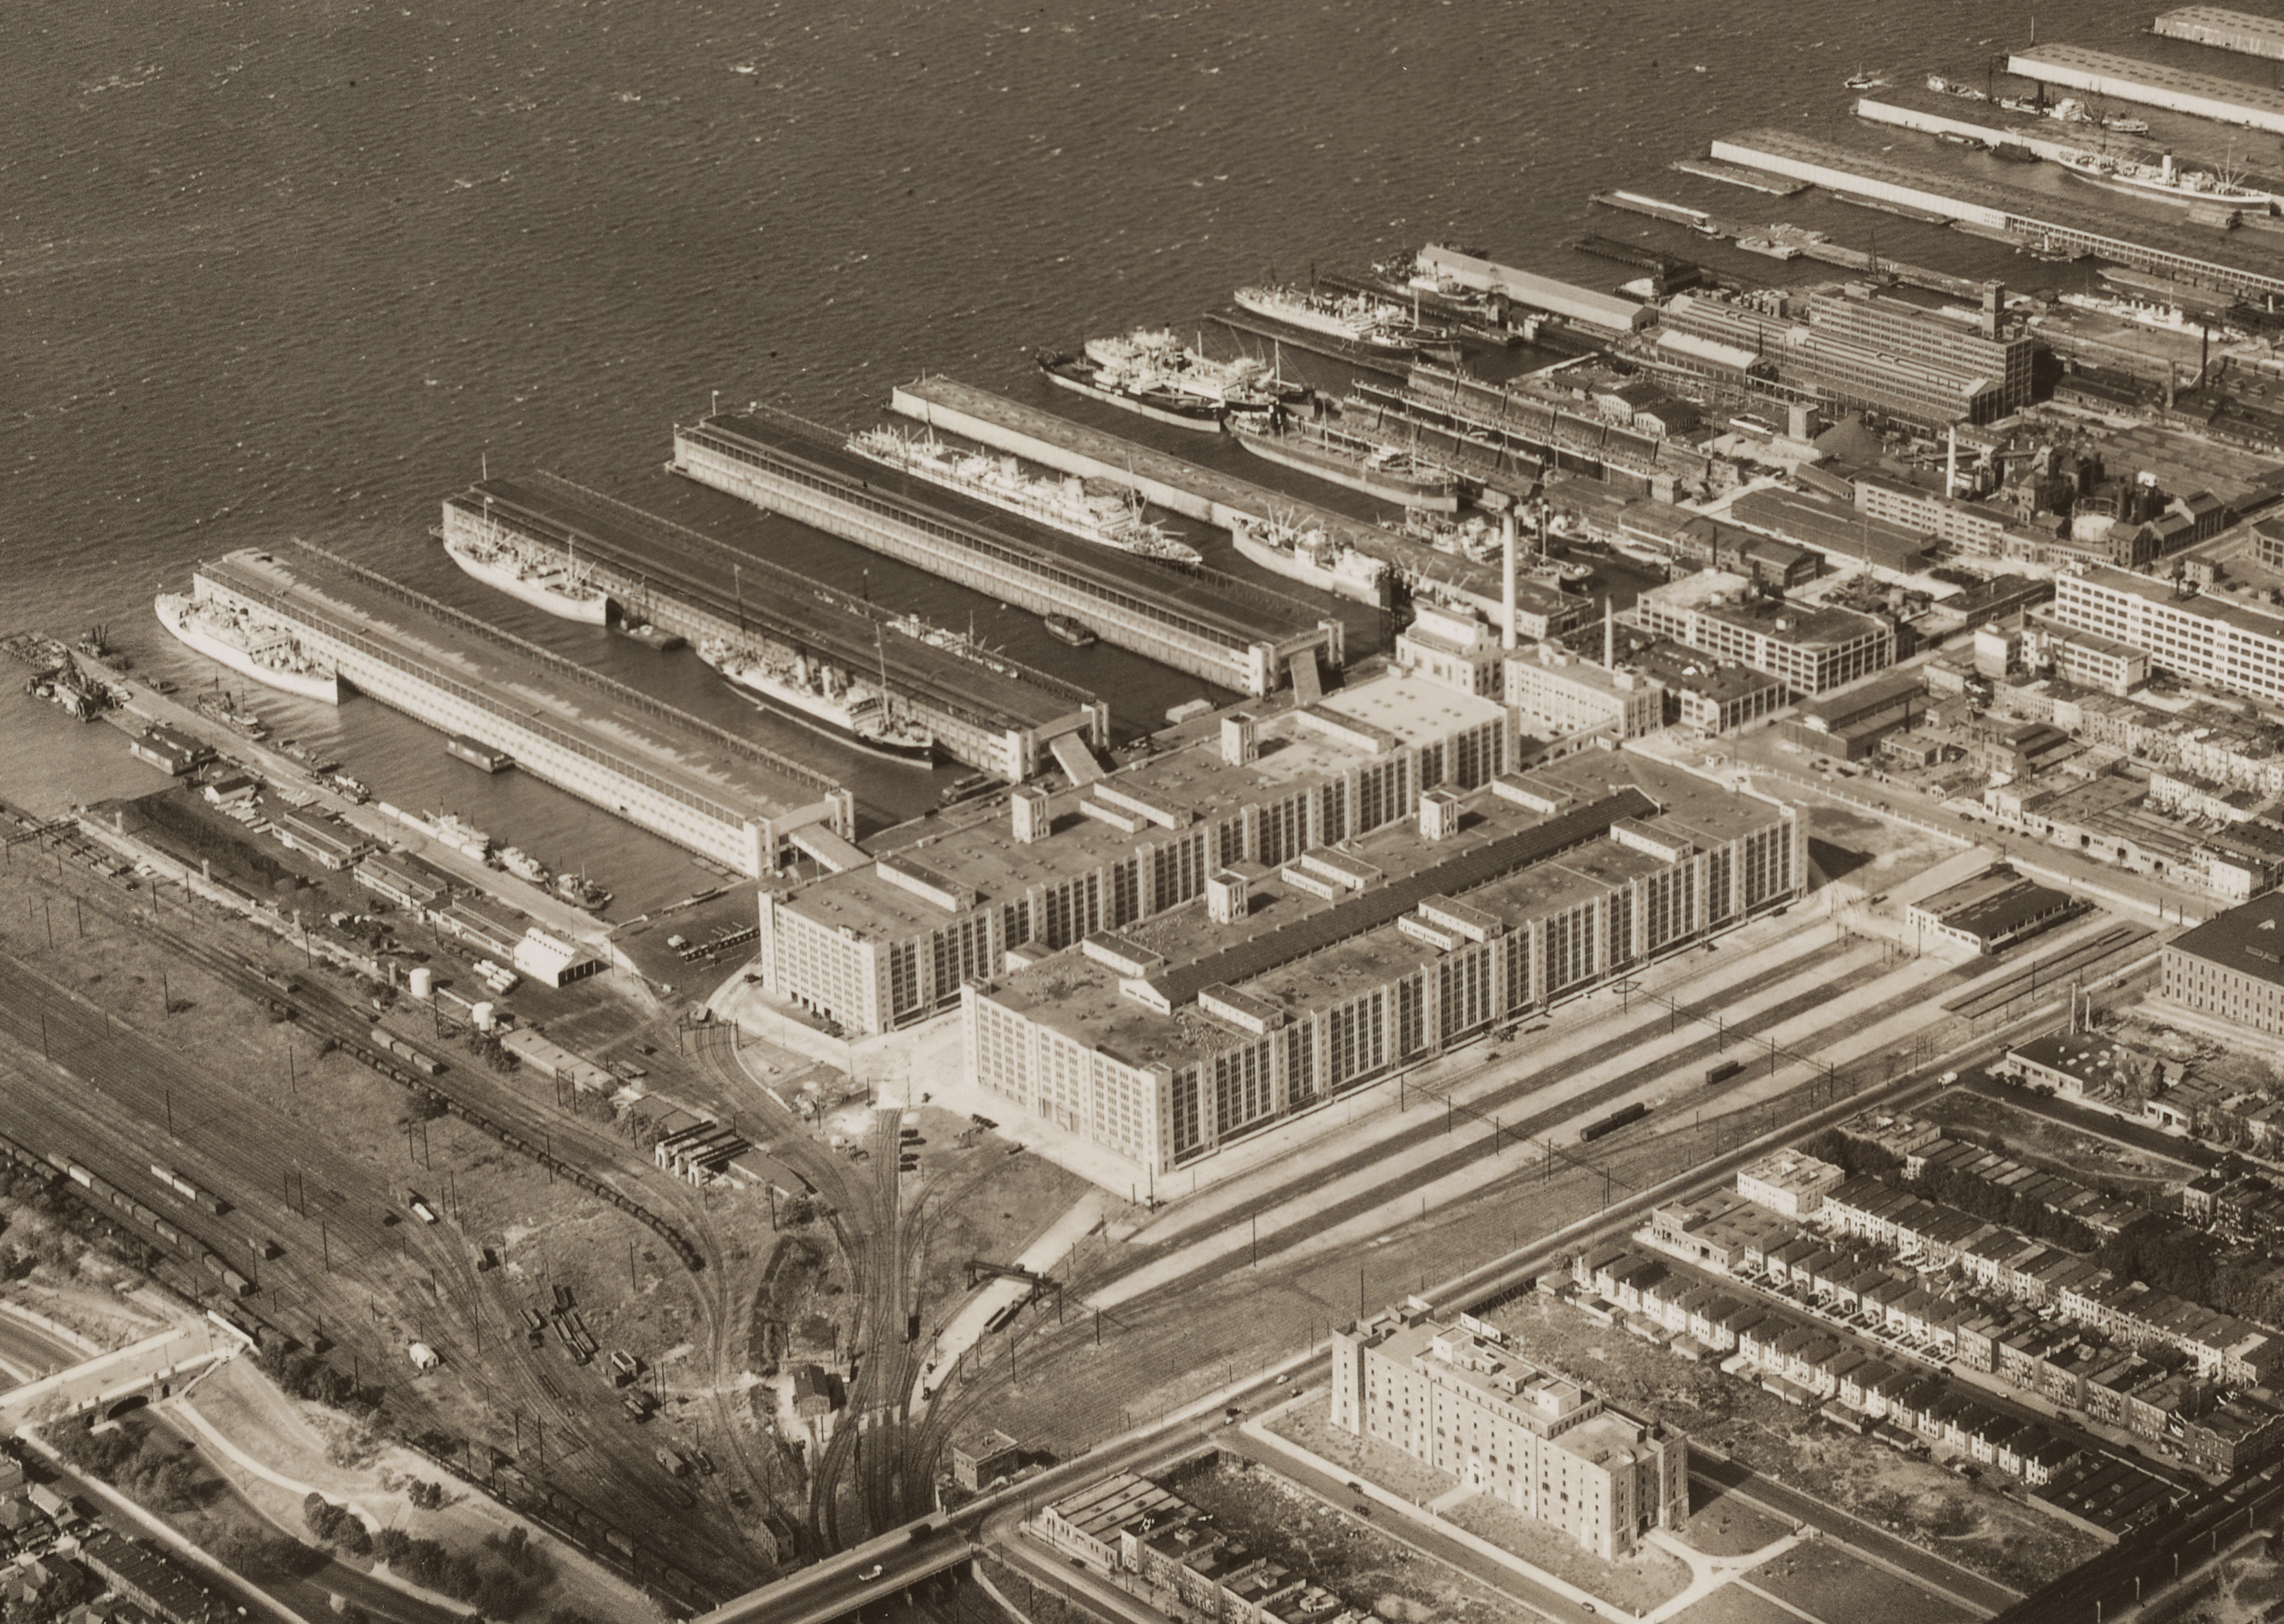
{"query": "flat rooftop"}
(2124, 71)
(1733, 600)
(1295, 950)
(2241, 252)
(729, 578)
(1191, 784)
(646, 735)
(2243, 616)
(2249, 939)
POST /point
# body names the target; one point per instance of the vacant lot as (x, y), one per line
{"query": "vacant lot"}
(1722, 1524)
(1640, 1582)
(1275, 1520)
(1820, 1578)
(2072, 1152)
(1733, 1603)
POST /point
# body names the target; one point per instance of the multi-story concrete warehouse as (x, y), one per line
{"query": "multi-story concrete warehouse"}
(887, 943)
(1164, 1042)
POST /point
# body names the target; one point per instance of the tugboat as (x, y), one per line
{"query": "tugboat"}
(1078, 634)
(580, 892)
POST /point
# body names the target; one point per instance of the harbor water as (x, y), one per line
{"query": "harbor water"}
(277, 269)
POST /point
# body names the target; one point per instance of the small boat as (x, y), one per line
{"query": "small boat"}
(522, 864)
(1863, 81)
(476, 754)
(1078, 634)
(580, 892)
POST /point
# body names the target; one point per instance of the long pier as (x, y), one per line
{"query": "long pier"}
(1211, 625)
(1206, 494)
(2013, 213)
(987, 711)
(675, 774)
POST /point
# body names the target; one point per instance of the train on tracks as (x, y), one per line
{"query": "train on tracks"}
(100, 1193)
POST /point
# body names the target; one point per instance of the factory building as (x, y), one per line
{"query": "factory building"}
(2219, 641)
(1857, 349)
(1557, 690)
(2233, 966)
(891, 942)
(1470, 1407)
(1808, 648)
(1293, 986)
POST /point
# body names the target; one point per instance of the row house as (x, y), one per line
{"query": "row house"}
(2241, 1204)
(2233, 1436)
(1720, 1231)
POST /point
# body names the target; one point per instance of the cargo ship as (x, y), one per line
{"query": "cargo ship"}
(1286, 547)
(216, 707)
(814, 695)
(1136, 391)
(234, 637)
(2163, 180)
(1241, 384)
(1372, 322)
(533, 573)
(1110, 520)
(1387, 472)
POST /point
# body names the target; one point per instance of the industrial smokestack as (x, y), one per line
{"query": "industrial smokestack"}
(1610, 637)
(1950, 465)
(1506, 622)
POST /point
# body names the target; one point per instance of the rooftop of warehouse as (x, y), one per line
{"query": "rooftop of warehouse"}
(1190, 782)
(1080, 997)
(1721, 596)
(2249, 939)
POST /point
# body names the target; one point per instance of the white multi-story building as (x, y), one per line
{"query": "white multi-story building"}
(1501, 1424)
(1549, 685)
(1807, 648)
(2220, 642)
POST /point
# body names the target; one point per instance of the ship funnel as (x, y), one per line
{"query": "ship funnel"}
(1506, 620)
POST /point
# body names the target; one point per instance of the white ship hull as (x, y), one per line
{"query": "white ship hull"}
(1040, 512)
(588, 611)
(309, 685)
(1279, 561)
(1293, 314)
(2169, 191)
(821, 715)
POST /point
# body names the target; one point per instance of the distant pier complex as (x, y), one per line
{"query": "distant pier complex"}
(2153, 84)
(1212, 626)
(986, 711)
(2226, 30)
(680, 778)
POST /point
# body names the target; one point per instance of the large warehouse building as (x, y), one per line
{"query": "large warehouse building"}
(2232, 966)
(1164, 1042)
(890, 942)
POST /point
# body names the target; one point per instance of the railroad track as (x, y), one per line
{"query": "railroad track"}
(2049, 972)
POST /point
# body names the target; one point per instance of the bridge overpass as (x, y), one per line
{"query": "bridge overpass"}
(836, 1587)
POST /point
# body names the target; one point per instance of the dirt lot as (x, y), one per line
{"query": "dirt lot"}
(1309, 1423)
(1995, 1537)
(1820, 1578)
(2056, 1145)
(1734, 1604)
(1363, 1566)
(1645, 1579)
(1866, 851)
(1721, 1525)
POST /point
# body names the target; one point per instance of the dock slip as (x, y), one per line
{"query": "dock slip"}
(1206, 494)
(986, 709)
(674, 774)
(1211, 625)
